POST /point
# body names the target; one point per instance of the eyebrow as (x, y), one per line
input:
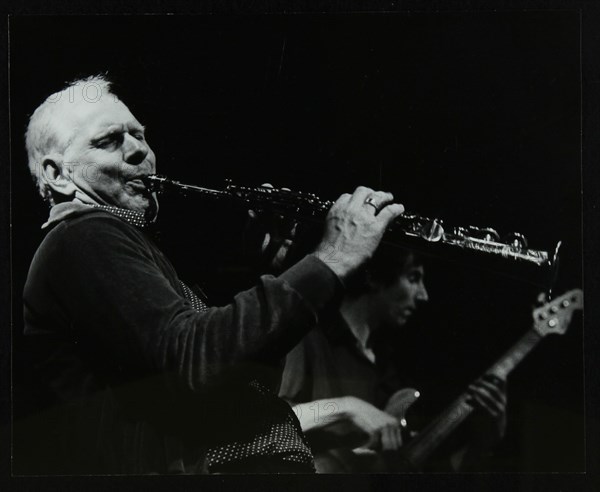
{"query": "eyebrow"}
(108, 131)
(137, 127)
(115, 129)
(416, 269)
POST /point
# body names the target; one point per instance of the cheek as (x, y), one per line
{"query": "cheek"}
(403, 293)
(397, 304)
(98, 177)
(90, 174)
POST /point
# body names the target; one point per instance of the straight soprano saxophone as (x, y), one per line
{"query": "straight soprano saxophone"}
(409, 230)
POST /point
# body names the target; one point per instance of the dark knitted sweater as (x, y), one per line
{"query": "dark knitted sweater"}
(133, 379)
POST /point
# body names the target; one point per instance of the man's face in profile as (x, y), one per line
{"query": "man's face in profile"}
(107, 154)
(397, 302)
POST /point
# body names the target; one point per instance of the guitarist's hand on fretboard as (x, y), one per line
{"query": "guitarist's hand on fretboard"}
(488, 423)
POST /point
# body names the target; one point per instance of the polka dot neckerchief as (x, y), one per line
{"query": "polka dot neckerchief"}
(284, 439)
(132, 217)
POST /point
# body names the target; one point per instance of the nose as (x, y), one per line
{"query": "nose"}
(422, 295)
(134, 150)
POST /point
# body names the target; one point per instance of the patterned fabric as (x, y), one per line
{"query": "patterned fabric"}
(284, 440)
(132, 217)
(197, 303)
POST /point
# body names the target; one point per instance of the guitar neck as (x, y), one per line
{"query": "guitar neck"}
(504, 366)
(422, 446)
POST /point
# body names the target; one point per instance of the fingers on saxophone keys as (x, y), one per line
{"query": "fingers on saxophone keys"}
(390, 212)
(364, 198)
(374, 203)
(342, 201)
(378, 200)
(360, 194)
(368, 199)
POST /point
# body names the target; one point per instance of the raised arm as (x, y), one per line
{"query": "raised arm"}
(130, 308)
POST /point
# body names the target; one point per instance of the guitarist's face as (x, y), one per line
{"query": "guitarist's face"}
(394, 304)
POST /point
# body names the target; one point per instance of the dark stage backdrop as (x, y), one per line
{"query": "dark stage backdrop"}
(472, 117)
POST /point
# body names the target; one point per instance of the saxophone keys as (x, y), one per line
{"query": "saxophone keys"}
(432, 231)
(516, 240)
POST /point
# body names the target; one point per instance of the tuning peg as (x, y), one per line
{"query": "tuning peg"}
(541, 299)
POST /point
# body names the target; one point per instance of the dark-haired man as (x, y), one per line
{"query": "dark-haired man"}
(341, 377)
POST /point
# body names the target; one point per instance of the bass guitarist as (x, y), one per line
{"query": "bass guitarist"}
(339, 379)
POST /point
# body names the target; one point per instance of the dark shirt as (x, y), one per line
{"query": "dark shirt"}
(330, 363)
(134, 378)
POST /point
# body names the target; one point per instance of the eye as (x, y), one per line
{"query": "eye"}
(414, 277)
(111, 140)
(139, 136)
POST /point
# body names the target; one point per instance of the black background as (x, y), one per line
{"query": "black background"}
(471, 116)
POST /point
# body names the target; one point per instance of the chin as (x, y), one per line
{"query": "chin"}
(394, 324)
(138, 203)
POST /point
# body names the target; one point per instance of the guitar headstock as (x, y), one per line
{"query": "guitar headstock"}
(555, 316)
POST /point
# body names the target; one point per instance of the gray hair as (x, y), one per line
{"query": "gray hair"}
(42, 137)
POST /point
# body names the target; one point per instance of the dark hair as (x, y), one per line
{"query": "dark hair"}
(384, 268)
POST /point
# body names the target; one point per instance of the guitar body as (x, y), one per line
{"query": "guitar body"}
(362, 460)
(400, 402)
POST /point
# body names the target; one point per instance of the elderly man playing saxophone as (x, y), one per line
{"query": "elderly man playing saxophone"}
(135, 373)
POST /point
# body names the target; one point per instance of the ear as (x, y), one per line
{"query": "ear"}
(57, 175)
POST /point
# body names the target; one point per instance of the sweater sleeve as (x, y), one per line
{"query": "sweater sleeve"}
(119, 296)
(296, 378)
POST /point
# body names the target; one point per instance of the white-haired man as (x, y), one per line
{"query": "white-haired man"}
(137, 374)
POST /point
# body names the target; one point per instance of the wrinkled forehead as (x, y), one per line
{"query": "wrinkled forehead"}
(84, 118)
